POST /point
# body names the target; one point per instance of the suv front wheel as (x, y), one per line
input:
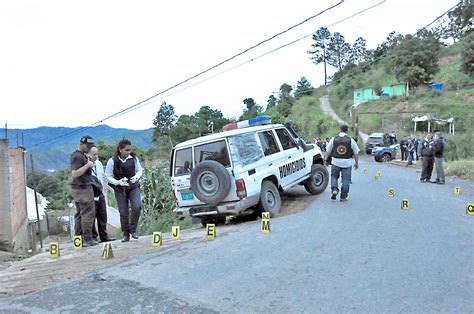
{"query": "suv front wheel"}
(270, 200)
(318, 181)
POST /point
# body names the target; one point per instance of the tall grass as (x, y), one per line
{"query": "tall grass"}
(158, 203)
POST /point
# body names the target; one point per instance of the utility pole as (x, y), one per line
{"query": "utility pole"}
(36, 200)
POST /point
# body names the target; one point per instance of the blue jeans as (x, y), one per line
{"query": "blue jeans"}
(124, 196)
(346, 179)
(410, 158)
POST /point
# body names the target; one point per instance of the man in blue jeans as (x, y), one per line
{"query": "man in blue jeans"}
(344, 153)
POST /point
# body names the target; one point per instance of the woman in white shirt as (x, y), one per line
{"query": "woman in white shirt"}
(123, 172)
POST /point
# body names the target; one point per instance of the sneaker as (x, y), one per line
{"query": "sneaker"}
(135, 235)
(422, 181)
(126, 238)
(344, 199)
(440, 182)
(334, 195)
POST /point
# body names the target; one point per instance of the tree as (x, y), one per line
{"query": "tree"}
(303, 88)
(271, 102)
(392, 40)
(460, 20)
(285, 101)
(358, 51)
(415, 60)
(209, 120)
(184, 129)
(467, 55)
(338, 51)
(251, 110)
(321, 38)
(164, 121)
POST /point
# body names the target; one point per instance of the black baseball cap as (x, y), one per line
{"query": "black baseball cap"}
(86, 139)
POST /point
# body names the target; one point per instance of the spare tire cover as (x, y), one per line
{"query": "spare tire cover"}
(210, 182)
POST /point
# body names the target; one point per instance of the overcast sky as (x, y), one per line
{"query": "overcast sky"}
(72, 63)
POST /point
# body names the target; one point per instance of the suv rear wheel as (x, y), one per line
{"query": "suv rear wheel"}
(318, 181)
(270, 200)
(386, 157)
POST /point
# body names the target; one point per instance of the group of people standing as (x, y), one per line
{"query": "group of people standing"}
(430, 150)
(122, 174)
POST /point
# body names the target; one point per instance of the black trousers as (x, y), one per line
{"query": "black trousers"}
(125, 197)
(404, 154)
(101, 217)
(100, 211)
(427, 167)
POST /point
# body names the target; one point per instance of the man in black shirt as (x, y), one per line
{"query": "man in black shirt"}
(426, 150)
(439, 156)
(82, 191)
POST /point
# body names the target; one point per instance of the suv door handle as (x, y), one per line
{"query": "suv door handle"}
(271, 164)
(289, 157)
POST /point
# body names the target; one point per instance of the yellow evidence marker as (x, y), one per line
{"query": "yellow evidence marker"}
(457, 190)
(78, 243)
(365, 171)
(391, 192)
(210, 231)
(470, 209)
(175, 233)
(157, 239)
(54, 250)
(107, 252)
(266, 215)
(376, 178)
(265, 225)
(405, 205)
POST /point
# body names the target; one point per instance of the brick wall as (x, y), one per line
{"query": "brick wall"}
(17, 189)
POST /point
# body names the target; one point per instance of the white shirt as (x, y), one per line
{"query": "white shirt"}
(109, 169)
(98, 172)
(343, 162)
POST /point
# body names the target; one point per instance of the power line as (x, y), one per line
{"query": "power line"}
(194, 76)
(250, 60)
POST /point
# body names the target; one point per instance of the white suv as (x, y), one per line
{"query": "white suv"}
(229, 173)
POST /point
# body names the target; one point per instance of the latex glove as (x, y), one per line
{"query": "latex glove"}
(123, 182)
(133, 179)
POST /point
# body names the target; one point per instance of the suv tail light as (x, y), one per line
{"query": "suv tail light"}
(241, 189)
(174, 196)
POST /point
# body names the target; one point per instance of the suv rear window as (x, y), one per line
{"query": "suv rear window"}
(183, 162)
(287, 142)
(212, 151)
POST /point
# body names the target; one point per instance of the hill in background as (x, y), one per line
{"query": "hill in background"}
(54, 155)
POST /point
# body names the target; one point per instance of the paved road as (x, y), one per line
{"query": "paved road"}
(366, 255)
(325, 106)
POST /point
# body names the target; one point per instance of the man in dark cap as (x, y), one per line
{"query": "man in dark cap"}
(82, 191)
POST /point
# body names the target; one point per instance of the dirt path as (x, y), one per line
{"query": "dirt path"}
(325, 106)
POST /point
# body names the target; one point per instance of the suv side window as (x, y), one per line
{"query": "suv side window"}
(183, 163)
(269, 143)
(212, 151)
(287, 142)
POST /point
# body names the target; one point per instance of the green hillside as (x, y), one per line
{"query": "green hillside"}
(456, 100)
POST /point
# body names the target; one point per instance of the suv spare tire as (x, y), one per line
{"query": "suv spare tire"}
(210, 182)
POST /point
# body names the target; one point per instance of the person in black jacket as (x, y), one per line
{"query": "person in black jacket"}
(426, 151)
(439, 157)
(123, 172)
